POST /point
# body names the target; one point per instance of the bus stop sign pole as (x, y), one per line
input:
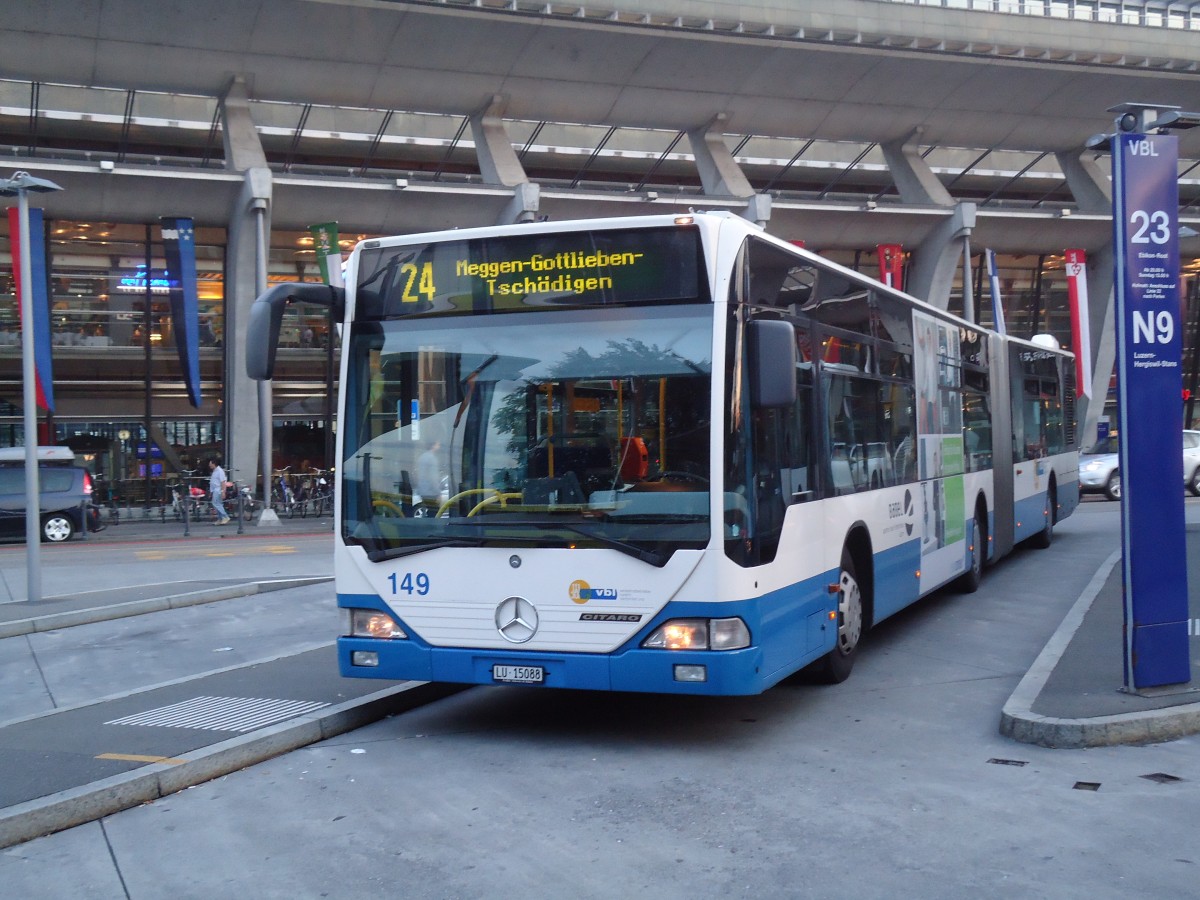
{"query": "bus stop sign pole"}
(1149, 380)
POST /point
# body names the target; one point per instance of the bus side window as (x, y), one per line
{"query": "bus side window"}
(977, 431)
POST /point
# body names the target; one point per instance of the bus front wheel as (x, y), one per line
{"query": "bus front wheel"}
(834, 667)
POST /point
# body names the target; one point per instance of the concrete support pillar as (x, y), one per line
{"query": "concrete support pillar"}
(1090, 184)
(934, 262)
(1088, 180)
(249, 218)
(940, 254)
(914, 179)
(720, 174)
(498, 162)
(523, 207)
(758, 209)
(1102, 323)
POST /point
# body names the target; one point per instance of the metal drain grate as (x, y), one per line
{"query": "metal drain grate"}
(1162, 778)
(221, 713)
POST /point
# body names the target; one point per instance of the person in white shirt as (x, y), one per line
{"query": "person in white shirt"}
(216, 487)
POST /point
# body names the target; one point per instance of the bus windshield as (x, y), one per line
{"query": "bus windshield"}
(562, 428)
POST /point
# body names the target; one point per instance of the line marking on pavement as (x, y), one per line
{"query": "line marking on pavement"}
(133, 757)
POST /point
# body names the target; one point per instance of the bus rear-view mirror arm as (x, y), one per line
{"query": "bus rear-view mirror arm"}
(266, 316)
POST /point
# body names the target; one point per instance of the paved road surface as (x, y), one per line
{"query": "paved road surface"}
(896, 783)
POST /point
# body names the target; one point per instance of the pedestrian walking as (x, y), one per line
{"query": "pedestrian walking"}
(216, 486)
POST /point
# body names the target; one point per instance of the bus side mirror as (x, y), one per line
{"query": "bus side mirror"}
(771, 358)
(266, 316)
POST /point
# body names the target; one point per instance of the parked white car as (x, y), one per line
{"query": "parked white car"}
(1100, 471)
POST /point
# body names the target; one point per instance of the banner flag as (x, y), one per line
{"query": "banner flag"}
(38, 285)
(329, 252)
(1076, 264)
(891, 264)
(179, 246)
(997, 300)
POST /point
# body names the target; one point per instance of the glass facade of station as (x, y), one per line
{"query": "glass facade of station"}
(116, 367)
(118, 386)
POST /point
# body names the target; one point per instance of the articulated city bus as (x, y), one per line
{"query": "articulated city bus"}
(667, 454)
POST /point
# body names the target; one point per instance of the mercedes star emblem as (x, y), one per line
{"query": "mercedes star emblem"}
(516, 619)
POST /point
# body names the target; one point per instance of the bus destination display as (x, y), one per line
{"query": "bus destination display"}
(528, 272)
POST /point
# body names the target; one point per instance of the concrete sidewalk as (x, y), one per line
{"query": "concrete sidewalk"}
(1073, 695)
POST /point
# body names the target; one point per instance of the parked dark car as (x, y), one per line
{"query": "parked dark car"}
(66, 494)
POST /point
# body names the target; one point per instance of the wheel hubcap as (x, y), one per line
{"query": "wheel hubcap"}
(849, 613)
(57, 530)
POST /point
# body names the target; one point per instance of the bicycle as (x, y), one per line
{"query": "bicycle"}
(187, 499)
(322, 496)
(315, 494)
(283, 498)
(239, 498)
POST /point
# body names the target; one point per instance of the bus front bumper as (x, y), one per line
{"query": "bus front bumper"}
(723, 672)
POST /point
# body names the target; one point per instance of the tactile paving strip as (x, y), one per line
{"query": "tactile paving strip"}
(221, 713)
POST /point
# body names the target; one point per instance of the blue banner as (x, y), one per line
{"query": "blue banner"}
(38, 287)
(179, 245)
(997, 300)
(1149, 382)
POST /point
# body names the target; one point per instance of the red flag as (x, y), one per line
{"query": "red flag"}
(1081, 336)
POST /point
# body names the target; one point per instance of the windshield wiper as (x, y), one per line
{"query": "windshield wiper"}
(658, 518)
(653, 557)
(397, 552)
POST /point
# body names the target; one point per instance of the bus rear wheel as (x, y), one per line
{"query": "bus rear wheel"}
(835, 666)
(970, 580)
(1045, 537)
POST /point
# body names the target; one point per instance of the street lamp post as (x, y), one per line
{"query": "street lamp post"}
(20, 185)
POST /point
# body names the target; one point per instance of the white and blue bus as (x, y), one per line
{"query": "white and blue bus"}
(669, 454)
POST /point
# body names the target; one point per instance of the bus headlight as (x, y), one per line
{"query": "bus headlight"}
(373, 624)
(728, 634)
(699, 634)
